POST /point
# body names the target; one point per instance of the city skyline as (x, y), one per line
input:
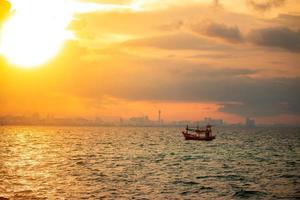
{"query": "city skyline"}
(133, 121)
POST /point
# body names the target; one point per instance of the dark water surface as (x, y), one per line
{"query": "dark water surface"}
(148, 163)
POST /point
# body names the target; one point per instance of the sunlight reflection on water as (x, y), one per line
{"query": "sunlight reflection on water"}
(149, 163)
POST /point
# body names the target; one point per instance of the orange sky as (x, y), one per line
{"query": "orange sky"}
(201, 58)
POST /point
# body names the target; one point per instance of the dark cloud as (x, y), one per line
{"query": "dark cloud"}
(260, 109)
(288, 20)
(263, 6)
(185, 82)
(280, 37)
(5, 7)
(256, 97)
(268, 98)
(228, 33)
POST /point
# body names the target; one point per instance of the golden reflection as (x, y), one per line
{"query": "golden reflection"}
(28, 158)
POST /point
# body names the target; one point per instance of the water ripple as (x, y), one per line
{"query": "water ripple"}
(147, 163)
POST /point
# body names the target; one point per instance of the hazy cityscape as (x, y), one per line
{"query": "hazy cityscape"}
(134, 121)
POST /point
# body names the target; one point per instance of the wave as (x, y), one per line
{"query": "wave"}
(249, 194)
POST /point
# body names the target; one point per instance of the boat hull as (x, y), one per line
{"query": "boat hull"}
(188, 136)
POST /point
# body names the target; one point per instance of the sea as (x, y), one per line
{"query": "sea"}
(148, 163)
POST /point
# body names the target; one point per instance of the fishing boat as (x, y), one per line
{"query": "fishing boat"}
(198, 134)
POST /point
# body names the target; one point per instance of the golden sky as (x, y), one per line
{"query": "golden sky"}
(191, 59)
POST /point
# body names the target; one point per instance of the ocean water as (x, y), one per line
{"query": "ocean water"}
(148, 163)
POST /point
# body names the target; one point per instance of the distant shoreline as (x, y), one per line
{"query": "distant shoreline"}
(143, 126)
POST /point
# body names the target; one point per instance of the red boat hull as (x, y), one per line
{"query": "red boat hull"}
(188, 136)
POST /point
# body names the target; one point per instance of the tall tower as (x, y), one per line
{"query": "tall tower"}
(159, 116)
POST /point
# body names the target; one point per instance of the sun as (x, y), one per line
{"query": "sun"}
(37, 29)
(35, 32)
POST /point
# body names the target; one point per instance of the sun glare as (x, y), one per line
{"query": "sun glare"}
(38, 28)
(35, 32)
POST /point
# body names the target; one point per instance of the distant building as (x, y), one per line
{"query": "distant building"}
(160, 120)
(249, 122)
(211, 121)
(159, 115)
(140, 121)
(181, 123)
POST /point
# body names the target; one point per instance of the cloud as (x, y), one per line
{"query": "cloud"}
(173, 26)
(281, 37)
(180, 41)
(254, 97)
(217, 30)
(257, 97)
(268, 97)
(276, 37)
(174, 81)
(153, 80)
(263, 6)
(288, 20)
(261, 109)
(169, 29)
(115, 23)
